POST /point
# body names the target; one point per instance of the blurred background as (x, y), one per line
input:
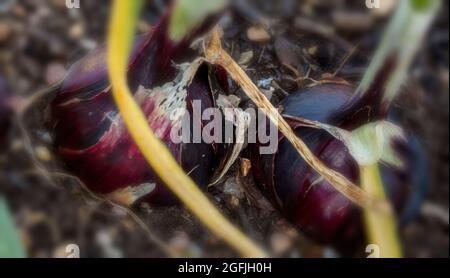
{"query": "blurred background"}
(275, 42)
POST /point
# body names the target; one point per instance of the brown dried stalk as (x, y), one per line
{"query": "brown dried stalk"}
(216, 55)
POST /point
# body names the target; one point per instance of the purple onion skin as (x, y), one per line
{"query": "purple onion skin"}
(93, 142)
(311, 203)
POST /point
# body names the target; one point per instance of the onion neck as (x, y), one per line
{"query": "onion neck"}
(389, 67)
(154, 65)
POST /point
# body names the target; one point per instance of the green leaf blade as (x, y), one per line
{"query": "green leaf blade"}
(10, 244)
(188, 14)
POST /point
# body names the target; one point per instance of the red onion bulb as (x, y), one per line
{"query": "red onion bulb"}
(309, 201)
(91, 138)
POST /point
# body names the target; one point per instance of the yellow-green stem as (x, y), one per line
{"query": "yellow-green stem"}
(122, 26)
(381, 226)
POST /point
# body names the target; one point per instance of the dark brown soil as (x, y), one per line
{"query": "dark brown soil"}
(40, 39)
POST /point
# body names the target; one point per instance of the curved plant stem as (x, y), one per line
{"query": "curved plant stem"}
(381, 227)
(215, 55)
(122, 26)
(400, 44)
(401, 41)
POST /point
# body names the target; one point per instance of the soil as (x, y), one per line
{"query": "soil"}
(283, 46)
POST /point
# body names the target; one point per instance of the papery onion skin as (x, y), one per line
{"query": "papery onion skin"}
(309, 201)
(91, 138)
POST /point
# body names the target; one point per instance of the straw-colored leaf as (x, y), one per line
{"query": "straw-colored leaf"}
(122, 26)
(216, 55)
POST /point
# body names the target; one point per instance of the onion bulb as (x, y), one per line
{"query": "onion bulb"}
(91, 138)
(309, 201)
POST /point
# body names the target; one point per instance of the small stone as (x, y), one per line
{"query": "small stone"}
(280, 243)
(5, 31)
(352, 21)
(246, 165)
(76, 31)
(234, 202)
(59, 4)
(246, 57)
(42, 153)
(386, 7)
(54, 73)
(19, 11)
(313, 50)
(258, 34)
(265, 83)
